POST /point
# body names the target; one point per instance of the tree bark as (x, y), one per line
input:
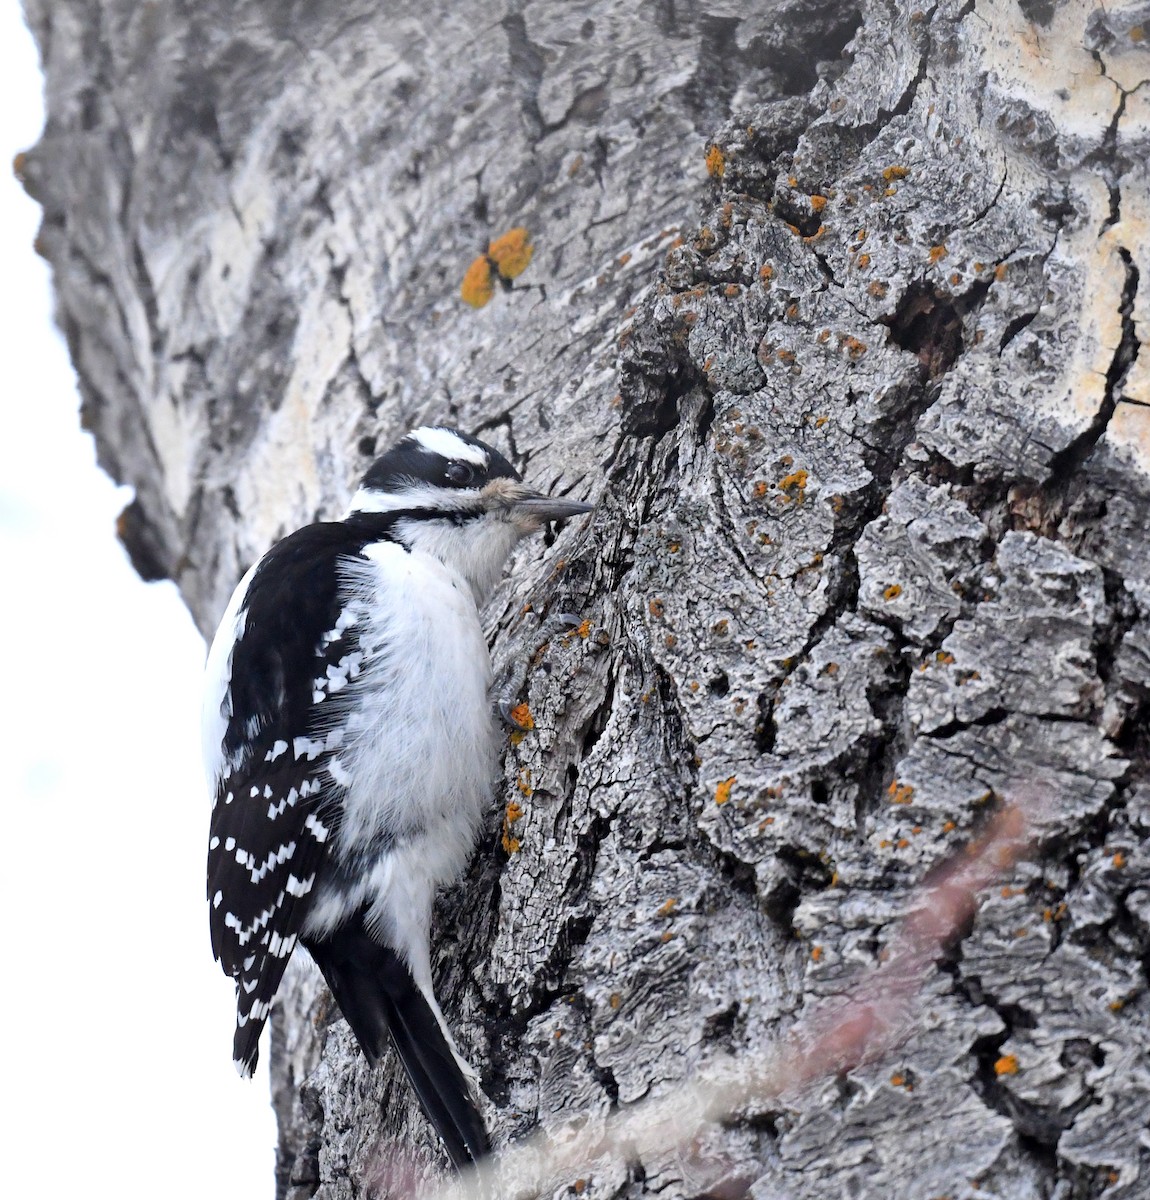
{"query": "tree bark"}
(838, 312)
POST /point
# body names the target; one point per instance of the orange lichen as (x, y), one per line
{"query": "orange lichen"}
(615, 1000)
(723, 790)
(938, 253)
(716, 163)
(854, 348)
(766, 272)
(900, 793)
(892, 591)
(895, 172)
(818, 203)
(1006, 1065)
(1000, 272)
(521, 715)
(1119, 860)
(523, 783)
(512, 814)
(816, 953)
(760, 489)
(667, 907)
(511, 253)
(877, 289)
(948, 827)
(666, 936)
(655, 607)
(793, 486)
(478, 285)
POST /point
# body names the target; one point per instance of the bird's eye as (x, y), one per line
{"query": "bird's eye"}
(459, 473)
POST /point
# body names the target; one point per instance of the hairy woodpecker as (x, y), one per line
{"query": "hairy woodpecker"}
(350, 747)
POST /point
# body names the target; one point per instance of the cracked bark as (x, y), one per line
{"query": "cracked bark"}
(867, 414)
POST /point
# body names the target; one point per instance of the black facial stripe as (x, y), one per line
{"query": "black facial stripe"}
(410, 462)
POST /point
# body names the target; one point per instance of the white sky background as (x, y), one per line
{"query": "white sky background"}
(116, 1024)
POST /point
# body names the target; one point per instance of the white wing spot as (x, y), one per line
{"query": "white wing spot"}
(279, 748)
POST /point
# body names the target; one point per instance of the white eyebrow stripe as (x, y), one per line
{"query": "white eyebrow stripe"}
(449, 444)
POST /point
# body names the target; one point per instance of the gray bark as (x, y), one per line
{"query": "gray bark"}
(867, 416)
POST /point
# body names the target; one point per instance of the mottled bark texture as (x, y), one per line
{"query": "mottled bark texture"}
(838, 309)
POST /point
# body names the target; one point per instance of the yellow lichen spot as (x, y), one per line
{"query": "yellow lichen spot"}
(863, 261)
(666, 936)
(584, 629)
(512, 814)
(945, 657)
(884, 844)
(1000, 272)
(511, 253)
(821, 421)
(1137, 33)
(793, 486)
(818, 203)
(890, 191)
(892, 591)
(716, 163)
(1116, 1005)
(615, 1000)
(792, 181)
(523, 783)
(1119, 860)
(1006, 1065)
(816, 953)
(667, 907)
(723, 790)
(895, 172)
(900, 793)
(478, 285)
(938, 253)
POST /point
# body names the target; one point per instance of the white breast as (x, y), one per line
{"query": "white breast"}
(419, 746)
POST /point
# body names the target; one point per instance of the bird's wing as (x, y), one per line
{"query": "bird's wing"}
(276, 806)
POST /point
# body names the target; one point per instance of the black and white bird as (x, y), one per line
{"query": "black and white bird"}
(350, 746)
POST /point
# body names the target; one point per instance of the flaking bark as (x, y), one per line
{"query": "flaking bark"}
(839, 311)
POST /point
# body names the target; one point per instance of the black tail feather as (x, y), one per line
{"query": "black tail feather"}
(380, 1000)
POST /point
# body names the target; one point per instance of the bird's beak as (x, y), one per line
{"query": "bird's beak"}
(539, 508)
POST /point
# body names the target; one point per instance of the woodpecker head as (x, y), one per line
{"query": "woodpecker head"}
(458, 499)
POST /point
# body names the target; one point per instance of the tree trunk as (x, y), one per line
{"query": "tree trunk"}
(837, 310)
